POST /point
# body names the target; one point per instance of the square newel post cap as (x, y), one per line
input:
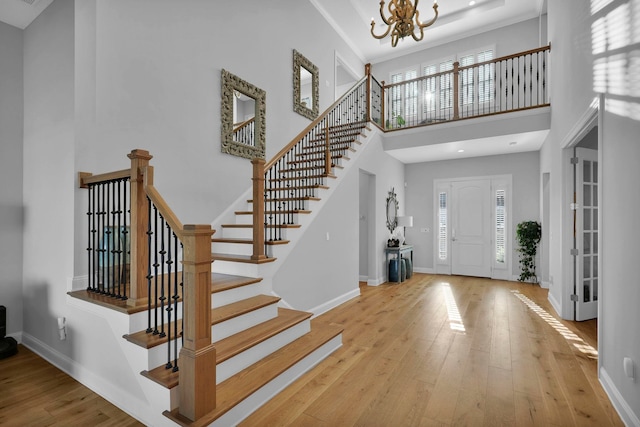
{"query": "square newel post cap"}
(139, 154)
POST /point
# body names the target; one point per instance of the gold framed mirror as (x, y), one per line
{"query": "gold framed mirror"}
(306, 88)
(243, 112)
(392, 211)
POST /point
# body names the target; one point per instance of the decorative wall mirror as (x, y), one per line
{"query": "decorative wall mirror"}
(306, 98)
(243, 113)
(392, 211)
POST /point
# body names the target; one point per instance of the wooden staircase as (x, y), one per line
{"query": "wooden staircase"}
(260, 346)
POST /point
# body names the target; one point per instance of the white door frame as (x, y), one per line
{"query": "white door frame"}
(502, 271)
(587, 121)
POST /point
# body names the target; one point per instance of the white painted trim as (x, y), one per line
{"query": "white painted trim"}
(587, 121)
(375, 282)
(323, 308)
(326, 15)
(424, 270)
(17, 336)
(117, 396)
(79, 282)
(554, 303)
(621, 405)
(545, 285)
(363, 278)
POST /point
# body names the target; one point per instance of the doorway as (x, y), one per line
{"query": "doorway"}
(367, 271)
(586, 237)
(473, 223)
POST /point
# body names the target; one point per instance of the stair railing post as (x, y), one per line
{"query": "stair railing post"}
(382, 105)
(367, 71)
(197, 361)
(456, 100)
(258, 209)
(327, 152)
(139, 250)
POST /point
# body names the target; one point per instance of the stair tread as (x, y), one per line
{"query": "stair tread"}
(219, 282)
(218, 315)
(238, 387)
(235, 344)
(240, 258)
(294, 211)
(288, 199)
(247, 241)
(267, 226)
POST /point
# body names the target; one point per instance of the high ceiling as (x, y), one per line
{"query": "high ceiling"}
(457, 19)
(20, 13)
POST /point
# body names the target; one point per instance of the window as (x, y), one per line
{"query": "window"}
(446, 85)
(485, 77)
(442, 226)
(500, 229)
(430, 89)
(404, 98)
(466, 76)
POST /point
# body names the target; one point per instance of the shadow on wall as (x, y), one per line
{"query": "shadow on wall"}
(616, 55)
(12, 218)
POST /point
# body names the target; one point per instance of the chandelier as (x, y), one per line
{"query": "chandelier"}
(401, 20)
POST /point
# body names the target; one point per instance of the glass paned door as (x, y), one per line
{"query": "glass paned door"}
(587, 234)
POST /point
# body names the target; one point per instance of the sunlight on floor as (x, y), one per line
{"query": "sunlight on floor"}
(455, 320)
(578, 342)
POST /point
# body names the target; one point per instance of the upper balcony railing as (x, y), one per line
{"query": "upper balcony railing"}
(510, 83)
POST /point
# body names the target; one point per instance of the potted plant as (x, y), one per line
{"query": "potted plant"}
(528, 234)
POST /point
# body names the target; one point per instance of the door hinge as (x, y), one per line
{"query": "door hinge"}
(574, 206)
(575, 252)
(574, 298)
(575, 160)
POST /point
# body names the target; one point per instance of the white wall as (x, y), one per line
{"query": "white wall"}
(574, 79)
(11, 204)
(156, 86)
(523, 167)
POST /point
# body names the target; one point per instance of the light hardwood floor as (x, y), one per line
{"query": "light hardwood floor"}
(432, 351)
(449, 350)
(35, 393)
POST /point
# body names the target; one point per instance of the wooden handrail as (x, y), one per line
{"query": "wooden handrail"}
(491, 61)
(242, 124)
(86, 178)
(313, 124)
(161, 205)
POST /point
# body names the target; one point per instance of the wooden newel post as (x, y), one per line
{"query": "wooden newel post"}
(139, 252)
(367, 71)
(456, 95)
(258, 209)
(198, 356)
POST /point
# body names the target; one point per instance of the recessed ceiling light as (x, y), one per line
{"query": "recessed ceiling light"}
(461, 151)
(472, 2)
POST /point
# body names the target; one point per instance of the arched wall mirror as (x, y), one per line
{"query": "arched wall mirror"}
(306, 98)
(243, 112)
(392, 211)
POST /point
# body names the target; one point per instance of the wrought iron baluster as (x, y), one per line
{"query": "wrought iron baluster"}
(170, 308)
(90, 247)
(162, 298)
(149, 294)
(155, 272)
(125, 235)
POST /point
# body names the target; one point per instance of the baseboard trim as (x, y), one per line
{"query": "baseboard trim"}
(545, 285)
(554, 303)
(118, 397)
(424, 270)
(618, 402)
(375, 282)
(323, 308)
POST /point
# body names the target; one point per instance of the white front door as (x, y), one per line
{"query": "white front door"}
(471, 228)
(587, 243)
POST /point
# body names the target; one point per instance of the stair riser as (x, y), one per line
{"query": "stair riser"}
(250, 356)
(139, 321)
(297, 204)
(157, 356)
(240, 323)
(275, 386)
(248, 219)
(244, 233)
(232, 248)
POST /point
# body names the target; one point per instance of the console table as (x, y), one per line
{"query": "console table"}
(398, 252)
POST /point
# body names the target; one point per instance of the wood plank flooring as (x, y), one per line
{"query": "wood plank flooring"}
(449, 351)
(35, 393)
(432, 351)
